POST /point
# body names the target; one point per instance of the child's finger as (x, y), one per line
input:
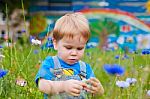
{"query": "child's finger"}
(91, 89)
(94, 79)
(93, 83)
(83, 84)
(75, 92)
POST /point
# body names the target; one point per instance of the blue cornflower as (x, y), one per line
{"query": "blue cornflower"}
(36, 51)
(145, 51)
(114, 69)
(117, 57)
(1, 46)
(132, 51)
(125, 56)
(23, 30)
(49, 38)
(88, 54)
(91, 45)
(3, 73)
(30, 38)
(122, 84)
(131, 80)
(50, 45)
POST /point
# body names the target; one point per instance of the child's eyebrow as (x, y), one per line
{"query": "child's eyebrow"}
(68, 45)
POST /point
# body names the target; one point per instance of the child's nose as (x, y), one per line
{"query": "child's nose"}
(74, 52)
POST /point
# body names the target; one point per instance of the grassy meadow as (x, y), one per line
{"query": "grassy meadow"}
(23, 62)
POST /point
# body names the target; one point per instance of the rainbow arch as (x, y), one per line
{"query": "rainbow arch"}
(116, 14)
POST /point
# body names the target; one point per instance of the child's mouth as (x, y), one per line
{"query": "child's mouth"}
(72, 60)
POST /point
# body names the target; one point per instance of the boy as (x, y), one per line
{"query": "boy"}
(65, 76)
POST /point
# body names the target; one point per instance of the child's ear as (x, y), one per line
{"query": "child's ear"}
(54, 43)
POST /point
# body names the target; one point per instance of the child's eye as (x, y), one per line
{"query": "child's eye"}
(68, 47)
(80, 48)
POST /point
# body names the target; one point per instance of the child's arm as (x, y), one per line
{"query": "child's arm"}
(49, 87)
(72, 87)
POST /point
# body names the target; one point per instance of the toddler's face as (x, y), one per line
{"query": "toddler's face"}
(70, 50)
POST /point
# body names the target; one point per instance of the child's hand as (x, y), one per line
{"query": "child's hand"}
(73, 87)
(94, 87)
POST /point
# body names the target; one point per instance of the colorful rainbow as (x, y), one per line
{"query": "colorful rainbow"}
(118, 15)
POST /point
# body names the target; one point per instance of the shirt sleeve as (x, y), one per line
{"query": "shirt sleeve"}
(44, 71)
(89, 71)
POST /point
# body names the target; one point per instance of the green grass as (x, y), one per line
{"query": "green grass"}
(21, 62)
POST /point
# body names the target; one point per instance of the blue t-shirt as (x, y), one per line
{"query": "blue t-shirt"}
(44, 71)
(48, 64)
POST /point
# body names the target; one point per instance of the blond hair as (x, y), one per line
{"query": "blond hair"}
(71, 25)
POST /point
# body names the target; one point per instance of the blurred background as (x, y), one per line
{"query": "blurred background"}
(114, 24)
(118, 49)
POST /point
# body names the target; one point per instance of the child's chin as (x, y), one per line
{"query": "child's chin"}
(71, 62)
